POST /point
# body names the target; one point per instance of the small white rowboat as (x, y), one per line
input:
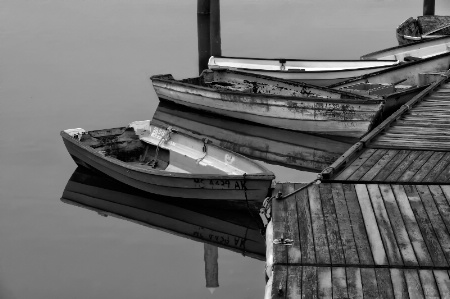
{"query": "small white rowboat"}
(317, 72)
(169, 163)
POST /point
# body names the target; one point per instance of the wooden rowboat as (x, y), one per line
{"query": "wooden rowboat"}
(317, 72)
(273, 102)
(272, 145)
(232, 229)
(422, 29)
(166, 162)
(433, 48)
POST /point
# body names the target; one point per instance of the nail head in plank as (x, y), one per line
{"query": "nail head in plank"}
(345, 225)
(331, 224)
(373, 233)
(318, 225)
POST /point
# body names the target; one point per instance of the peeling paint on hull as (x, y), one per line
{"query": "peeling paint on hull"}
(337, 116)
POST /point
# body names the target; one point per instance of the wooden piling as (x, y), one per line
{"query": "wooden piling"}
(428, 7)
(216, 44)
(203, 33)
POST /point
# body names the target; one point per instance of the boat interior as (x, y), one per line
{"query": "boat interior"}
(222, 79)
(378, 89)
(153, 148)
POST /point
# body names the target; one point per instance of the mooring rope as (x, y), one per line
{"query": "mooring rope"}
(164, 139)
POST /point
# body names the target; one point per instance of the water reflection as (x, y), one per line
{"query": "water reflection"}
(215, 224)
(272, 145)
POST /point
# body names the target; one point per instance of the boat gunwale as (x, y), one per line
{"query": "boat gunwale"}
(353, 98)
(295, 71)
(412, 44)
(394, 68)
(266, 174)
(309, 60)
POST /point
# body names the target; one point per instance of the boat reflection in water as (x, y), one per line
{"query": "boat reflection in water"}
(216, 224)
(272, 145)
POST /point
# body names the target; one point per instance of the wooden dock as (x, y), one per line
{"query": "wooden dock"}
(377, 222)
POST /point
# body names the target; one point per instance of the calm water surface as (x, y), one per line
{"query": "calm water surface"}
(66, 64)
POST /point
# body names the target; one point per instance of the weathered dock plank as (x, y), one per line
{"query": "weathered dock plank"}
(345, 225)
(318, 225)
(308, 252)
(331, 224)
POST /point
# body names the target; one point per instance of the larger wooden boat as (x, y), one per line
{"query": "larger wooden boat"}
(273, 102)
(272, 145)
(431, 49)
(232, 229)
(422, 28)
(170, 163)
(317, 72)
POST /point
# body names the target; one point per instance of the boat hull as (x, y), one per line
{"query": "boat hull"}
(282, 147)
(218, 187)
(321, 73)
(338, 117)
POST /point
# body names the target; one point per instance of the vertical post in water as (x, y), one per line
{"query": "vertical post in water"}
(216, 43)
(428, 7)
(203, 32)
(211, 267)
